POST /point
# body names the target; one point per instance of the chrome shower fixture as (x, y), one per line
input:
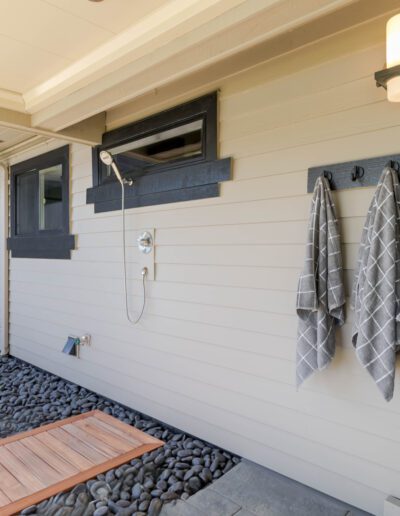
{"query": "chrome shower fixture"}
(108, 160)
(145, 242)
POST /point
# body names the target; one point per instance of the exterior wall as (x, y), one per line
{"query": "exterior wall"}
(3, 260)
(215, 352)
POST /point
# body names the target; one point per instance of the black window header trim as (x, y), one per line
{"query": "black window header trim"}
(191, 178)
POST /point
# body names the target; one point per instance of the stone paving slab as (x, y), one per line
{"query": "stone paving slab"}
(211, 501)
(251, 490)
(181, 508)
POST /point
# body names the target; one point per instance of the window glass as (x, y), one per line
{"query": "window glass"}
(50, 198)
(182, 142)
(26, 203)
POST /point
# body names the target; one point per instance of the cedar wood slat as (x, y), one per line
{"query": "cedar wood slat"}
(58, 447)
(34, 464)
(142, 442)
(4, 500)
(9, 483)
(113, 441)
(49, 456)
(115, 431)
(88, 452)
(92, 441)
(19, 471)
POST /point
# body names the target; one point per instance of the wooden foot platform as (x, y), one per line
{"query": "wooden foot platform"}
(40, 463)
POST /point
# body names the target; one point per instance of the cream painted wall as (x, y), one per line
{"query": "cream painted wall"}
(3, 259)
(215, 351)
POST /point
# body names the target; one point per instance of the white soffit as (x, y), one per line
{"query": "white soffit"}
(68, 60)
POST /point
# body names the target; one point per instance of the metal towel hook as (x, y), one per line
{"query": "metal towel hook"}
(394, 165)
(327, 174)
(357, 173)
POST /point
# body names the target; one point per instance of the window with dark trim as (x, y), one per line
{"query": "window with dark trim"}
(172, 156)
(39, 197)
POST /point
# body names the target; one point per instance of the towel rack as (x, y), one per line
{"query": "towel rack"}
(353, 174)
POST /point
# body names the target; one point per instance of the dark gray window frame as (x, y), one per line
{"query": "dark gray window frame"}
(186, 179)
(42, 243)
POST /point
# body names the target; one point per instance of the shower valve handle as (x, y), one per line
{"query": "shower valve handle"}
(145, 242)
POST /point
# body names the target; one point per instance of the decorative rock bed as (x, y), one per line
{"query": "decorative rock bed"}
(30, 397)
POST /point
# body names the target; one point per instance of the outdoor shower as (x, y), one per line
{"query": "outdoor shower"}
(145, 241)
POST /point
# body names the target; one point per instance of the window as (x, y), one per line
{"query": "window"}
(40, 207)
(172, 156)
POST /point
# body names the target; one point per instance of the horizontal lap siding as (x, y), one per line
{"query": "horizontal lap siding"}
(215, 351)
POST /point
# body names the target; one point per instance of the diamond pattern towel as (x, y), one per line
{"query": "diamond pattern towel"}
(320, 294)
(376, 289)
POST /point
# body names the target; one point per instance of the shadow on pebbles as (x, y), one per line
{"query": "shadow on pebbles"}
(30, 397)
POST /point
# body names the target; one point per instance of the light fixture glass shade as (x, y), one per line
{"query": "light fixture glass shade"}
(393, 56)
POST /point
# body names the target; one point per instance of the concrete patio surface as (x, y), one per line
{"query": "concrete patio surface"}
(251, 490)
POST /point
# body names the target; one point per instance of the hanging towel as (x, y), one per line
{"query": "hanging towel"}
(376, 288)
(320, 294)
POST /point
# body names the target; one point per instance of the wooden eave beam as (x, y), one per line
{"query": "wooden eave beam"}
(88, 131)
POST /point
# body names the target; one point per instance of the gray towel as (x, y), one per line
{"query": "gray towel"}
(375, 297)
(320, 294)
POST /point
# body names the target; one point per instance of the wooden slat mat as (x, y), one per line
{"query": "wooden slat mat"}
(38, 464)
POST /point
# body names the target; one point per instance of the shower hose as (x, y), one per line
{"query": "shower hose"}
(144, 270)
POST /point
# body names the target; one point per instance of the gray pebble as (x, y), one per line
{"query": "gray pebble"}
(194, 484)
(144, 505)
(29, 398)
(123, 503)
(64, 511)
(83, 499)
(155, 507)
(137, 490)
(70, 500)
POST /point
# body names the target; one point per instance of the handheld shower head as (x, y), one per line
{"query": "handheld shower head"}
(108, 160)
(106, 157)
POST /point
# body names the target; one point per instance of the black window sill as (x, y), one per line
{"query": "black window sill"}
(195, 181)
(51, 246)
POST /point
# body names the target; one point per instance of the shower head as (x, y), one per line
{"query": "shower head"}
(108, 160)
(106, 157)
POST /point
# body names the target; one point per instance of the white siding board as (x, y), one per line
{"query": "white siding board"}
(354, 415)
(243, 94)
(249, 299)
(358, 146)
(358, 93)
(220, 324)
(363, 119)
(259, 386)
(361, 390)
(282, 209)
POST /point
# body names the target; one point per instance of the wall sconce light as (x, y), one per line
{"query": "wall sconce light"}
(389, 78)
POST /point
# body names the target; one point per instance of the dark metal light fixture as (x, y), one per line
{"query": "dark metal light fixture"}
(389, 78)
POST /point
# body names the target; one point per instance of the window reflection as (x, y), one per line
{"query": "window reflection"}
(50, 198)
(173, 144)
